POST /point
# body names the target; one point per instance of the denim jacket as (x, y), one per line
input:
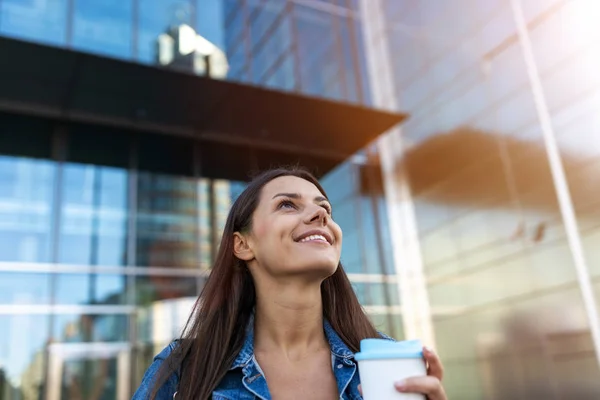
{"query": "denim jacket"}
(245, 380)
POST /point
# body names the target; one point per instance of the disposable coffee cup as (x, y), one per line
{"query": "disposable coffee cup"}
(381, 363)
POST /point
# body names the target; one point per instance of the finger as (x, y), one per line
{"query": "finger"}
(436, 368)
(428, 385)
(360, 389)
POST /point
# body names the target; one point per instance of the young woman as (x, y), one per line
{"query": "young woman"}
(277, 317)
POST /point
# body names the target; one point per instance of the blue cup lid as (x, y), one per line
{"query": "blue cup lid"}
(377, 349)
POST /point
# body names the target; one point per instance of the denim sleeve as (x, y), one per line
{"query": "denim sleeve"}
(168, 389)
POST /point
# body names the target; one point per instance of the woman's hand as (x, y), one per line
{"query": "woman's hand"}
(430, 385)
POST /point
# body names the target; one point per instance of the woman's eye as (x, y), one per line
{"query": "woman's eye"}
(286, 204)
(327, 208)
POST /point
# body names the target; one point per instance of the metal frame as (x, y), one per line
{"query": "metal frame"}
(412, 288)
(62, 352)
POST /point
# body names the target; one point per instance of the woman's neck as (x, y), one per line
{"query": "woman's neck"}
(289, 319)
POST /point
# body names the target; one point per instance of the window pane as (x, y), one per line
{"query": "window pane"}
(377, 294)
(40, 21)
(24, 288)
(167, 221)
(155, 17)
(23, 339)
(103, 26)
(90, 289)
(91, 328)
(95, 378)
(94, 215)
(162, 321)
(210, 17)
(153, 289)
(26, 192)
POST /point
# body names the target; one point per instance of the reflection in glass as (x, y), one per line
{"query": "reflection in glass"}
(89, 289)
(390, 324)
(153, 288)
(24, 288)
(155, 17)
(376, 294)
(89, 379)
(209, 20)
(165, 305)
(40, 21)
(90, 328)
(22, 342)
(103, 26)
(93, 227)
(167, 221)
(26, 192)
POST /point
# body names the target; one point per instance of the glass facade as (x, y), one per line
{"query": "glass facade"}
(498, 272)
(106, 236)
(287, 45)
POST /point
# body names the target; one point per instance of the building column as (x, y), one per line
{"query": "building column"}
(408, 263)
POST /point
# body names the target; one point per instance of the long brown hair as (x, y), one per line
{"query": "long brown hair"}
(215, 331)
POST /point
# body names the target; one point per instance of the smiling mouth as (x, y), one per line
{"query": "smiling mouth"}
(315, 238)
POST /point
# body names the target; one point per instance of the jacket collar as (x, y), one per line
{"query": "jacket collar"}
(337, 345)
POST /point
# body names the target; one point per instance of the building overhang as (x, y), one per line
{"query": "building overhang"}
(267, 127)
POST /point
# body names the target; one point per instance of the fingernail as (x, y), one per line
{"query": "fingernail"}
(400, 386)
(428, 349)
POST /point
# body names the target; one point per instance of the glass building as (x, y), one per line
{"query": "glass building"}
(473, 226)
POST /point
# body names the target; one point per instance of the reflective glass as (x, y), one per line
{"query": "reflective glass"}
(167, 221)
(26, 201)
(103, 26)
(39, 21)
(163, 314)
(24, 288)
(390, 324)
(318, 50)
(210, 19)
(90, 328)
(22, 343)
(155, 18)
(94, 205)
(153, 289)
(281, 76)
(90, 289)
(90, 379)
(377, 294)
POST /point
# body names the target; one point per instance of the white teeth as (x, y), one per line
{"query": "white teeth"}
(314, 237)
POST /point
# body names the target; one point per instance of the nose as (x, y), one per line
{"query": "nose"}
(318, 214)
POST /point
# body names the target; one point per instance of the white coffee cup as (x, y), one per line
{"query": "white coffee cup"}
(382, 362)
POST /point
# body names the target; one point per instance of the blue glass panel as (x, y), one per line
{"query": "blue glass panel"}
(103, 26)
(167, 221)
(24, 288)
(90, 328)
(283, 75)
(155, 17)
(210, 17)
(26, 193)
(87, 289)
(39, 21)
(93, 227)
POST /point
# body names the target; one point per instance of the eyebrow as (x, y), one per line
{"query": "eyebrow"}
(297, 196)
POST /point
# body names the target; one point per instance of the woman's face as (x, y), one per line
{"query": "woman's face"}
(293, 232)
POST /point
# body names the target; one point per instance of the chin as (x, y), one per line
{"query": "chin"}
(322, 269)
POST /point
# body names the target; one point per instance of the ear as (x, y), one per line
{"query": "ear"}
(241, 247)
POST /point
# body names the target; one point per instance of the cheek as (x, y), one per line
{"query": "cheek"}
(259, 229)
(338, 232)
